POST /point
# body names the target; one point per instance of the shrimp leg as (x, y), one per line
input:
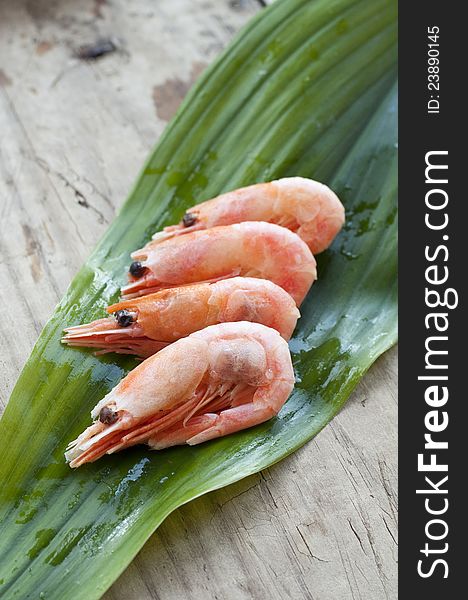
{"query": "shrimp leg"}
(209, 426)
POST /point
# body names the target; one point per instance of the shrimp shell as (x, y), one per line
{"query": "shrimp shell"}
(214, 382)
(166, 316)
(307, 207)
(249, 249)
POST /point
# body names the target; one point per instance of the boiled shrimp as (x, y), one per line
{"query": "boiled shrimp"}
(307, 207)
(214, 382)
(249, 249)
(145, 325)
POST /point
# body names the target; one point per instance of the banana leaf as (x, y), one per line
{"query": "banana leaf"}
(307, 88)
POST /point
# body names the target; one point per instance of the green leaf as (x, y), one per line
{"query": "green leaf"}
(306, 89)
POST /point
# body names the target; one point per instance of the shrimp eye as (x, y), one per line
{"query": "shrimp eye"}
(136, 269)
(189, 219)
(124, 318)
(108, 416)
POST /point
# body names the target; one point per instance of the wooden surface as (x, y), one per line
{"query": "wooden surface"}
(321, 524)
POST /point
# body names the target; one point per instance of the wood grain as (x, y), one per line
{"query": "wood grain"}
(73, 135)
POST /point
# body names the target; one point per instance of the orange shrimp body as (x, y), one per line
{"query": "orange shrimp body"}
(145, 325)
(250, 249)
(307, 207)
(214, 382)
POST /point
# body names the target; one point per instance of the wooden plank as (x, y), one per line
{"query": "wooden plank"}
(73, 135)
